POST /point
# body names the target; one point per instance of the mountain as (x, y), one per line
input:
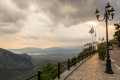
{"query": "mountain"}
(52, 50)
(13, 61)
(54, 54)
(26, 50)
(26, 56)
(7, 74)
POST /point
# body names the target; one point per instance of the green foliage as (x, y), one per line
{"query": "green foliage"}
(113, 42)
(102, 54)
(102, 51)
(72, 61)
(85, 51)
(48, 73)
(102, 46)
(117, 33)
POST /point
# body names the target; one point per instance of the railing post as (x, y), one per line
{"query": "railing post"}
(94, 52)
(79, 59)
(87, 54)
(68, 64)
(58, 70)
(82, 57)
(39, 75)
(75, 61)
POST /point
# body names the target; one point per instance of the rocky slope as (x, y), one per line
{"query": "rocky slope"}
(11, 60)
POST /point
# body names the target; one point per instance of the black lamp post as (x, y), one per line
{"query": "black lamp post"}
(109, 12)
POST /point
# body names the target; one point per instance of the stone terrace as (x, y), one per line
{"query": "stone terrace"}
(93, 69)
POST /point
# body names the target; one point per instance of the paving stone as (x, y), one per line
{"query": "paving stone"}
(93, 69)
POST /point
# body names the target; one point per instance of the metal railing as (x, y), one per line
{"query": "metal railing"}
(60, 68)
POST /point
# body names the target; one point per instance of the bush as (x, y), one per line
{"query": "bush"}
(102, 51)
(102, 54)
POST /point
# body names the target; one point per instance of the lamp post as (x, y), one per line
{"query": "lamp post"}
(109, 12)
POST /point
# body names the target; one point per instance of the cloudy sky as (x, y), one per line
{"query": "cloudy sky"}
(52, 23)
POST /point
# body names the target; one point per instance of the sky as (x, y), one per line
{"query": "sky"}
(52, 23)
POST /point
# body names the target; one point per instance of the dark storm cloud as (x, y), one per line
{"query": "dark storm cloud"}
(10, 28)
(22, 3)
(8, 31)
(66, 12)
(10, 18)
(10, 15)
(62, 12)
(83, 10)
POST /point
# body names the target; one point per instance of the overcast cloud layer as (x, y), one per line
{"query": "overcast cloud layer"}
(51, 23)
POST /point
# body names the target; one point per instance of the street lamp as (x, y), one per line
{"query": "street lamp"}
(109, 12)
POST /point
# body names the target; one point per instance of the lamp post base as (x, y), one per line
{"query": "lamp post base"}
(109, 72)
(108, 66)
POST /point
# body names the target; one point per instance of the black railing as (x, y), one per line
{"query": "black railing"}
(60, 67)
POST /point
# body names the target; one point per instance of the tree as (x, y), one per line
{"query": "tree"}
(113, 42)
(45, 75)
(117, 33)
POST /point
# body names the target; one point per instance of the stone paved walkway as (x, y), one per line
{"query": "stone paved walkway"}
(115, 55)
(93, 69)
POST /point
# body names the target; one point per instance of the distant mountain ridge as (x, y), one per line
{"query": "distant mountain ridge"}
(54, 54)
(11, 60)
(26, 56)
(52, 50)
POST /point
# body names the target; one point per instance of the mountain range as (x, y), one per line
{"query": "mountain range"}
(52, 50)
(54, 54)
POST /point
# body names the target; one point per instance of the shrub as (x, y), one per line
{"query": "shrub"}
(102, 54)
(102, 51)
